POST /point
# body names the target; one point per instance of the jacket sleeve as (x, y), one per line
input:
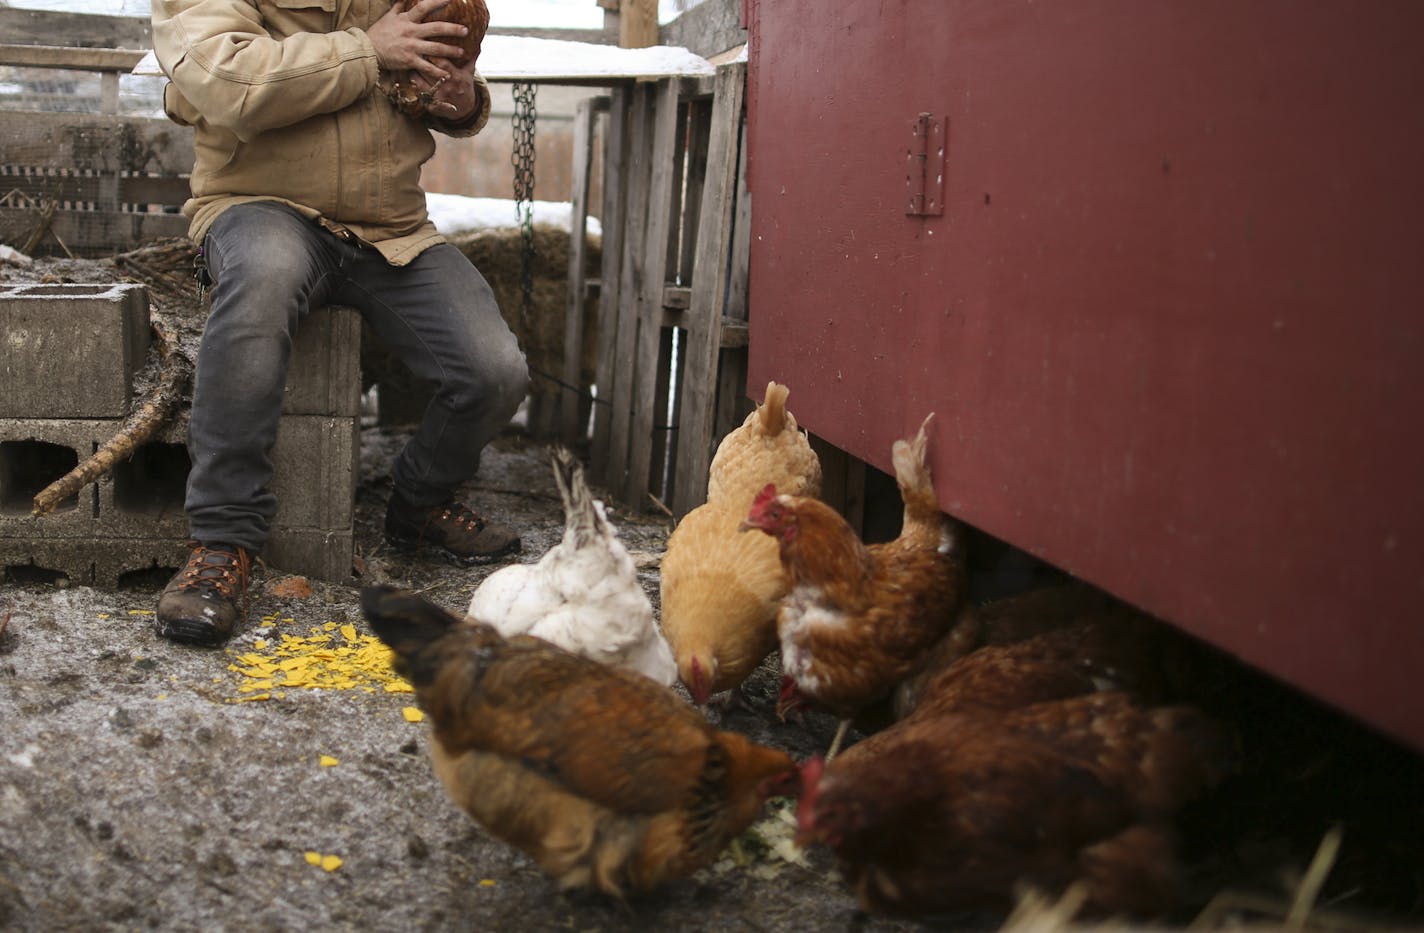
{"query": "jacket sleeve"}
(221, 57)
(474, 122)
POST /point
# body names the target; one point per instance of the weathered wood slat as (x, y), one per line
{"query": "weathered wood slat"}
(709, 287)
(90, 233)
(615, 193)
(103, 142)
(732, 402)
(700, 120)
(69, 58)
(572, 423)
(140, 190)
(75, 30)
(651, 277)
(630, 284)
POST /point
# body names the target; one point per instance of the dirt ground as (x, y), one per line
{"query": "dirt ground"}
(142, 787)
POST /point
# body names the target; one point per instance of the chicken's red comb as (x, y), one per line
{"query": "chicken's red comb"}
(768, 493)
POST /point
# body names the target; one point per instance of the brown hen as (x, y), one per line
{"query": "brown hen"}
(858, 620)
(608, 780)
(1059, 641)
(948, 811)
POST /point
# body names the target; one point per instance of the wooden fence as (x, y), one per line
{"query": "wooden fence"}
(671, 370)
(89, 184)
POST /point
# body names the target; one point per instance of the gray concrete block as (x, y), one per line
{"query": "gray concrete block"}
(71, 351)
(312, 552)
(316, 461)
(107, 563)
(324, 377)
(141, 497)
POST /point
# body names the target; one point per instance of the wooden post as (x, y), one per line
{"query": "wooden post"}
(616, 185)
(573, 421)
(710, 284)
(637, 23)
(650, 275)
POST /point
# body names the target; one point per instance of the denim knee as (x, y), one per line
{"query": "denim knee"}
(493, 385)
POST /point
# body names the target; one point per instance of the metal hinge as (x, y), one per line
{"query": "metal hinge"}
(924, 167)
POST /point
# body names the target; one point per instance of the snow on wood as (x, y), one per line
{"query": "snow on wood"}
(554, 61)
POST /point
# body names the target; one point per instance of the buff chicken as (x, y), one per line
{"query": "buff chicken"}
(860, 619)
(583, 594)
(720, 589)
(609, 781)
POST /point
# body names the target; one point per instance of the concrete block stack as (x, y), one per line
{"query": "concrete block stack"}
(67, 364)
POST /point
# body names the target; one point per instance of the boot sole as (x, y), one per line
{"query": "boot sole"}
(201, 634)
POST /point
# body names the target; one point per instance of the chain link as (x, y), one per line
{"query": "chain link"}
(525, 115)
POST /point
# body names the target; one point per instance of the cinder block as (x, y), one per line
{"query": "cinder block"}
(102, 562)
(316, 462)
(312, 552)
(324, 377)
(70, 351)
(141, 497)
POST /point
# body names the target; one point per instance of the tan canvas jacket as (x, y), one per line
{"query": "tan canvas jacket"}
(282, 98)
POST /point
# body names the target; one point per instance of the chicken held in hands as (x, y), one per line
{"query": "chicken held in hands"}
(860, 619)
(583, 594)
(720, 589)
(609, 781)
(949, 811)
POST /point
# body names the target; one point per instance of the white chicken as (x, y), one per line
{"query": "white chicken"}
(583, 595)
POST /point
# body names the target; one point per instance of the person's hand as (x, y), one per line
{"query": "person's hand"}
(452, 98)
(404, 41)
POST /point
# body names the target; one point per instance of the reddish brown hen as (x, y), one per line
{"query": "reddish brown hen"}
(949, 811)
(858, 620)
(608, 780)
(1060, 641)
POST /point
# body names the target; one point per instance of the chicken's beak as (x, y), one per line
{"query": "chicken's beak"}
(747, 525)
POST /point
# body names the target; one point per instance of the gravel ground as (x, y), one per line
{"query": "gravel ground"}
(142, 786)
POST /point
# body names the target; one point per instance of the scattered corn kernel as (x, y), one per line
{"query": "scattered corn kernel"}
(313, 858)
(331, 862)
(412, 714)
(328, 762)
(486, 882)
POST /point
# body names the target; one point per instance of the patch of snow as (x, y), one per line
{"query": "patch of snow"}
(454, 213)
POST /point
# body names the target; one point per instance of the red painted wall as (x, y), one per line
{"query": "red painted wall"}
(1170, 319)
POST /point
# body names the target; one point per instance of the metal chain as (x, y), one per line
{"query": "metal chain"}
(522, 158)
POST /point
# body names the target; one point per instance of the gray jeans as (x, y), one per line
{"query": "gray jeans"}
(270, 267)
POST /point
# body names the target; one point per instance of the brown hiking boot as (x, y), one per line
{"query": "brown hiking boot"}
(205, 600)
(451, 530)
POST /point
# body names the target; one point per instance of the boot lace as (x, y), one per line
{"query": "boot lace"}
(459, 515)
(217, 570)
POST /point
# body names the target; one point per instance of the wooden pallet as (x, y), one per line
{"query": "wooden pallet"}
(89, 184)
(671, 373)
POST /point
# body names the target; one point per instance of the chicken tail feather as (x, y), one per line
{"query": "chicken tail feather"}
(772, 411)
(923, 520)
(581, 515)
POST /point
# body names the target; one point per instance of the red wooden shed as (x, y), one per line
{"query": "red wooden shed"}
(1158, 267)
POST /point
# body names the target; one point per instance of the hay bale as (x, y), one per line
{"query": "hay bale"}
(498, 254)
